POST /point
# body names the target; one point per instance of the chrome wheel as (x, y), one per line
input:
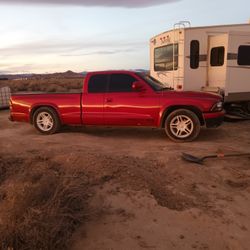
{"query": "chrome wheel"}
(181, 126)
(44, 121)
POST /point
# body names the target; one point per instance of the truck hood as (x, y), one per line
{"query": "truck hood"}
(193, 94)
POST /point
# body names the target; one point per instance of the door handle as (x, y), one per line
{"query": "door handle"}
(109, 100)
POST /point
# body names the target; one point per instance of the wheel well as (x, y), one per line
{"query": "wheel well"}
(173, 108)
(41, 106)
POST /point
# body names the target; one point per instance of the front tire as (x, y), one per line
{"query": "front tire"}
(46, 121)
(182, 125)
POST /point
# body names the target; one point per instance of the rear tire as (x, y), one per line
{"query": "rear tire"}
(46, 121)
(182, 125)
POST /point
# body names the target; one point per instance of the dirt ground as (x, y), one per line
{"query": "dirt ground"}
(143, 196)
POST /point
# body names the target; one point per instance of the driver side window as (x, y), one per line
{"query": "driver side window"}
(121, 83)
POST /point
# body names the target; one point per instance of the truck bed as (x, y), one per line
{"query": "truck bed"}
(68, 105)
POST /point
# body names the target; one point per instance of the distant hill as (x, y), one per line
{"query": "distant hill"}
(4, 78)
(14, 76)
(59, 75)
(65, 75)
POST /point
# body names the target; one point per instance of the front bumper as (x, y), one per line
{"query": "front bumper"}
(213, 120)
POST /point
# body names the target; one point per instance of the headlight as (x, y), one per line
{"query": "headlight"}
(217, 107)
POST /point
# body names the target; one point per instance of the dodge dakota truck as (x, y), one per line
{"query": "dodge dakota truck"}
(121, 98)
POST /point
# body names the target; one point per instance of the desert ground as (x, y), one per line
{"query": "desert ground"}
(138, 192)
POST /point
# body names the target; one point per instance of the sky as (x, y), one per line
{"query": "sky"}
(45, 36)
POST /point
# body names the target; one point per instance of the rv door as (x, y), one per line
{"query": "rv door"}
(217, 60)
(238, 73)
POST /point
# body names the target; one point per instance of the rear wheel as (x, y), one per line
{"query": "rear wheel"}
(46, 120)
(182, 125)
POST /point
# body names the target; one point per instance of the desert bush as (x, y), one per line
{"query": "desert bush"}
(40, 206)
(45, 85)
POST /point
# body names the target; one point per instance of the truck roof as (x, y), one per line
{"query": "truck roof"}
(114, 71)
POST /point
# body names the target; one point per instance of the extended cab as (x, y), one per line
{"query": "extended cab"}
(121, 98)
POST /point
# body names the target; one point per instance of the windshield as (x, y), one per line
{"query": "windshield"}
(155, 84)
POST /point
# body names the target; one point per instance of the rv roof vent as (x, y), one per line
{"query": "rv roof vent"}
(182, 24)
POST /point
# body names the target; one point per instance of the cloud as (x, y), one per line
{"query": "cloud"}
(101, 52)
(102, 3)
(10, 68)
(69, 48)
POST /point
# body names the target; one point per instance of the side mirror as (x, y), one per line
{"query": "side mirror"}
(138, 87)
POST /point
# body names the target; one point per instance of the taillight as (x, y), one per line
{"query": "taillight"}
(10, 104)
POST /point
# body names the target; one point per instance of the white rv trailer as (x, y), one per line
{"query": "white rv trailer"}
(213, 58)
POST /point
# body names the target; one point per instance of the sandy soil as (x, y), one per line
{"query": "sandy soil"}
(143, 196)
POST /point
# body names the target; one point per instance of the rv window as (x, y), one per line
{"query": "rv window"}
(194, 54)
(217, 56)
(244, 55)
(164, 59)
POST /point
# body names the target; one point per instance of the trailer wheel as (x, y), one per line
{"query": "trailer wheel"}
(247, 107)
(182, 125)
(46, 121)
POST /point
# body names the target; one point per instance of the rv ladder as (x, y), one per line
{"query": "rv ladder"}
(177, 40)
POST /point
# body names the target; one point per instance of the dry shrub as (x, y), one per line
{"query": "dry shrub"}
(45, 85)
(40, 207)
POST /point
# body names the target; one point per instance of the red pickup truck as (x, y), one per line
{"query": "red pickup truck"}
(121, 98)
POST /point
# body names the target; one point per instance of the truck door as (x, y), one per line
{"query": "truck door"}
(93, 100)
(217, 60)
(124, 106)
